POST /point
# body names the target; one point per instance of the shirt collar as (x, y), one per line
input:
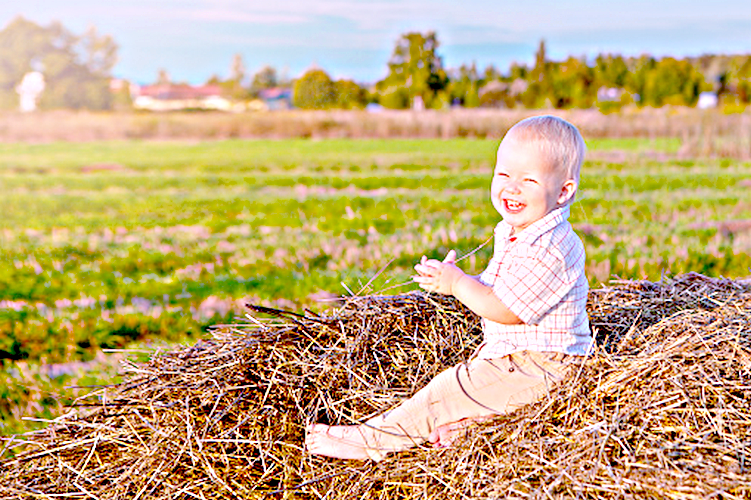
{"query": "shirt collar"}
(536, 229)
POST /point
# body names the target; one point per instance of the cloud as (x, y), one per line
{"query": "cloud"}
(344, 33)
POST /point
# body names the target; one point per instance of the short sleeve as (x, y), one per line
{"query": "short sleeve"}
(532, 285)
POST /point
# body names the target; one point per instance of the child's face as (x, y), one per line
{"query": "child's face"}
(526, 185)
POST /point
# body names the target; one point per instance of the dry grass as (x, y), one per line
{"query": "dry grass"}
(702, 132)
(661, 410)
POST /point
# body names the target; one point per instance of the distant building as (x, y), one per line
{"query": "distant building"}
(276, 98)
(493, 86)
(707, 100)
(494, 94)
(172, 97)
(518, 87)
(120, 85)
(418, 104)
(31, 87)
(609, 94)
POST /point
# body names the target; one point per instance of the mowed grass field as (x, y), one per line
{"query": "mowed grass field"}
(109, 246)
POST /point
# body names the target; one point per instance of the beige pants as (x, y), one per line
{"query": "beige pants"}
(477, 388)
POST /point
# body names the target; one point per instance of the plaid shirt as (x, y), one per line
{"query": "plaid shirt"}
(538, 274)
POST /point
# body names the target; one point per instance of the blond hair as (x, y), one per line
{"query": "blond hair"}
(558, 139)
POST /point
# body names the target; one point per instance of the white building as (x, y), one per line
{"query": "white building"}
(31, 87)
(707, 100)
(169, 97)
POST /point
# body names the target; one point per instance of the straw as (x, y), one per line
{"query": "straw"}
(661, 409)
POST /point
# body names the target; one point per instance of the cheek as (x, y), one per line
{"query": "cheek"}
(496, 186)
(553, 196)
(495, 195)
(494, 189)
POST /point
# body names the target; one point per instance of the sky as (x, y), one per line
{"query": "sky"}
(196, 39)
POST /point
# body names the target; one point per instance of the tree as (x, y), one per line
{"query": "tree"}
(539, 92)
(349, 95)
(465, 86)
(740, 78)
(610, 71)
(541, 62)
(76, 68)
(237, 71)
(415, 70)
(570, 84)
(233, 87)
(265, 78)
(490, 74)
(671, 81)
(314, 90)
(99, 52)
(639, 70)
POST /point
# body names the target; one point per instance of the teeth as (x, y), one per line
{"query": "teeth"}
(513, 205)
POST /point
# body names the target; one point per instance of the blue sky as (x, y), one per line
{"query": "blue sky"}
(195, 39)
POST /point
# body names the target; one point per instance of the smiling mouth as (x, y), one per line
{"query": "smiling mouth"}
(512, 206)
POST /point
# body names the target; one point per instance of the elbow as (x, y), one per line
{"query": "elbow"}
(514, 319)
(510, 319)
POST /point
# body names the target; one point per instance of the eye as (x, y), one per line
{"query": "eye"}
(502, 174)
(529, 179)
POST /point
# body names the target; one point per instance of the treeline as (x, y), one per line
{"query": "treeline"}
(417, 78)
(77, 71)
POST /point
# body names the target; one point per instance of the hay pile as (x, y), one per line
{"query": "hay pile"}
(662, 410)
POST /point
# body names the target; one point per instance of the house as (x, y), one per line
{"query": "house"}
(276, 98)
(175, 97)
(518, 87)
(609, 94)
(494, 94)
(707, 100)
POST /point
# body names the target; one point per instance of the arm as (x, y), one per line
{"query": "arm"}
(445, 278)
(481, 300)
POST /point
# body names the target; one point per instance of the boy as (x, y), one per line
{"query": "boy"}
(531, 298)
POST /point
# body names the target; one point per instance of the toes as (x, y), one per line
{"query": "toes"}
(433, 436)
(314, 429)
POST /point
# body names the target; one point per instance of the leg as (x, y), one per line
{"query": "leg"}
(378, 435)
(452, 400)
(553, 367)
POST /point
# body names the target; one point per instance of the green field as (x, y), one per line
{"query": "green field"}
(114, 245)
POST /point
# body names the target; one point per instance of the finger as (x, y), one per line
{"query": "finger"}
(422, 279)
(424, 270)
(450, 257)
(423, 259)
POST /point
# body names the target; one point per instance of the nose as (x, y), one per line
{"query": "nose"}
(512, 186)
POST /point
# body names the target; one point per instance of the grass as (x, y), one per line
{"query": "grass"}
(106, 245)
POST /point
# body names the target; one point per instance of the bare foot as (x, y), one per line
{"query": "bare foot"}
(445, 435)
(337, 441)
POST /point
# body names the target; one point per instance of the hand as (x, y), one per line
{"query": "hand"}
(437, 276)
(449, 259)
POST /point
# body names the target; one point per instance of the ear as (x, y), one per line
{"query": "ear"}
(567, 192)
